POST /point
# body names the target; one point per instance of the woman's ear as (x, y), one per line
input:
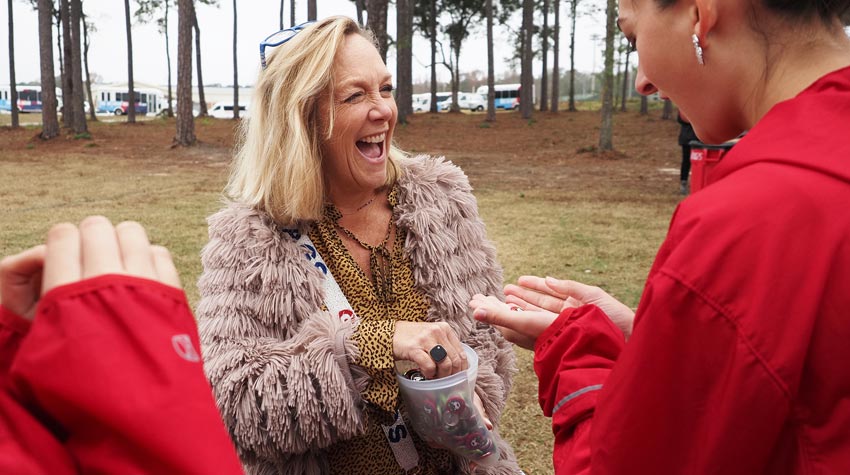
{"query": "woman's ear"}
(706, 18)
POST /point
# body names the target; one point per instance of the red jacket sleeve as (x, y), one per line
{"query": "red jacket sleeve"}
(572, 359)
(680, 398)
(13, 328)
(689, 393)
(113, 362)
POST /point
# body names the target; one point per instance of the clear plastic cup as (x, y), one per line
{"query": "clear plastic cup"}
(442, 411)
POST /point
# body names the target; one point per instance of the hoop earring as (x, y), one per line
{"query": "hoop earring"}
(698, 50)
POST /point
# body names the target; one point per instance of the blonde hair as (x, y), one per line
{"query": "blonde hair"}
(278, 163)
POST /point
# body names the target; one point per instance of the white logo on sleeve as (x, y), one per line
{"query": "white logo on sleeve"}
(183, 346)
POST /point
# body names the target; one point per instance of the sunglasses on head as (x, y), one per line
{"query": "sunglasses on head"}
(279, 38)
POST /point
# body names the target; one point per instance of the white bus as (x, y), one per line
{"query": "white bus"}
(507, 95)
(115, 99)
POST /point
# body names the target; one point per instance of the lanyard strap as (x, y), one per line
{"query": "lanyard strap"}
(397, 434)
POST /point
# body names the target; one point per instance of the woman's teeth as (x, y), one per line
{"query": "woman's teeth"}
(374, 138)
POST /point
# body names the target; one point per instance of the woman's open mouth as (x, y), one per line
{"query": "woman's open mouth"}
(372, 147)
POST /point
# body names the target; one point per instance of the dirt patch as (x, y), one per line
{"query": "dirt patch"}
(550, 151)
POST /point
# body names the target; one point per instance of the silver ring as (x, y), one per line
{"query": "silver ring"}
(438, 353)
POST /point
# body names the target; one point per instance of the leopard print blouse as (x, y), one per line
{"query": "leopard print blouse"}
(371, 453)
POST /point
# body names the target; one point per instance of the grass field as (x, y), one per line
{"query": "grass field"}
(552, 205)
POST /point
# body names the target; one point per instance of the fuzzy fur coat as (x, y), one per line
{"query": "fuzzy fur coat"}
(282, 369)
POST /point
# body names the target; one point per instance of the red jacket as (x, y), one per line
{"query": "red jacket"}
(740, 358)
(108, 380)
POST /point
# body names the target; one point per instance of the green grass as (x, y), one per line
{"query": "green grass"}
(549, 209)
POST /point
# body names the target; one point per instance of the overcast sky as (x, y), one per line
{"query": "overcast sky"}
(256, 20)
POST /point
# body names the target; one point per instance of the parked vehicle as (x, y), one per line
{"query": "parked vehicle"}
(115, 100)
(118, 103)
(224, 110)
(507, 95)
(29, 98)
(471, 101)
(422, 102)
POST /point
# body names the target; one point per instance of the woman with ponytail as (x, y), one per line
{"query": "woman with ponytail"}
(735, 361)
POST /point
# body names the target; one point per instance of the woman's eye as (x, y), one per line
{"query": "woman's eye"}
(353, 98)
(388, 89)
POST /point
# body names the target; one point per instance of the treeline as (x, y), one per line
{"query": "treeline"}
(446, 24)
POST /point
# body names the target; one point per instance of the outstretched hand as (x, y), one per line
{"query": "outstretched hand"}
(556, 295)
(73, 254)
(535, 302)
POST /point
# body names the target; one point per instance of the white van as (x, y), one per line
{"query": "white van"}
(224, 110)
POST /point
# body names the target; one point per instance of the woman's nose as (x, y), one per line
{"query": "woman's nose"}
(643, 85)
(381, 109)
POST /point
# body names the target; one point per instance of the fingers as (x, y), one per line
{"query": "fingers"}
(20, 267)
(136, 252)
(480, 406)
(101, 252)
(456, 360)
(20, 281)
(570, 288)
(520, 303)
(97, 248)
(521, 328)
(535, 293)
(414, 341)
(62, 258)
(164, 266)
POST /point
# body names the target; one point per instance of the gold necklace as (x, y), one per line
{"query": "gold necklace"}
(380, 262)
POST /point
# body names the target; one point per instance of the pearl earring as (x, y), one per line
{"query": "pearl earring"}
(698, 50)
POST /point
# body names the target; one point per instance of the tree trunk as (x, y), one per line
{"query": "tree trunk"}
(455, 107)
(49, 120)
(311, 10)
(667, 113)
(526, 100)
(131, 96)
(86, 45)
(185, 122)
(625, 82)
(79, 125)
(291, 13)
(606, 130)
(544, 74)
(67, 68)
(12, 83)
(376, 20)
(644, 105)
(433, 34)
(361, 7)
(404, 55)
(235, 69)
(169, 108)
(573, 13)
(491, 80)
(202, 111)
(556, 50)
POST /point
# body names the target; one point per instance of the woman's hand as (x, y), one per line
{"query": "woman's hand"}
(551, 294)
(20, 281)
(414, 341)
(97, 248)
(534, 303)
(480, 406)
(519, 326)
(73, 254)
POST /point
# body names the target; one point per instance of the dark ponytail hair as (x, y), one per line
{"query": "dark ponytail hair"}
(827, 10)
